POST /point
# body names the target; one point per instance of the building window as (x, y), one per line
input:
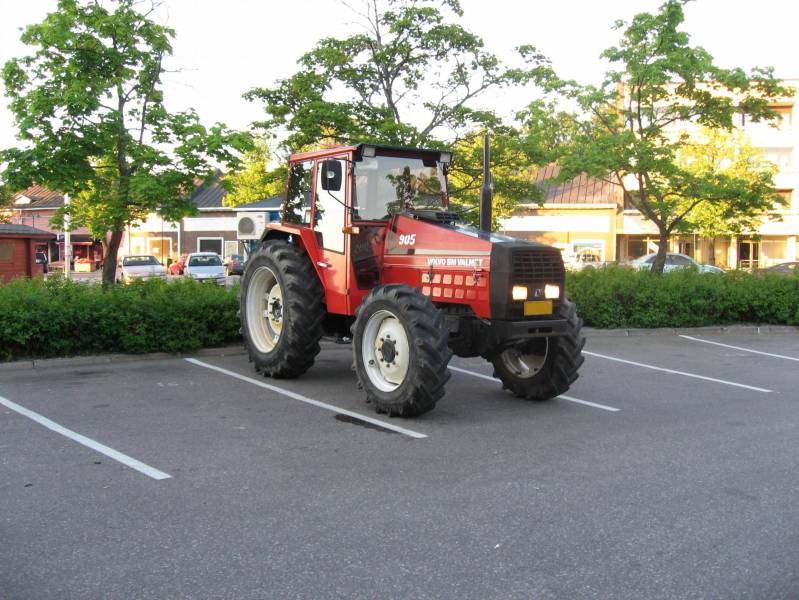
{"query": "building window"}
(781, 157)
(210, 245)
(784, 120)
(6, 250)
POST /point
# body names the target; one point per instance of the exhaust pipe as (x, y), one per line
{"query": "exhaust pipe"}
(487, 189)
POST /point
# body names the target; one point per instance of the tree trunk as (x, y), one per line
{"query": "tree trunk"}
(663, 248)
(711, 259)
(110, 265)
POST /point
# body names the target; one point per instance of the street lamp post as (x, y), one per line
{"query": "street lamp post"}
(67, 239)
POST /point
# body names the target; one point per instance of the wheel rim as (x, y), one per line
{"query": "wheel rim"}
(265, 309)
(526, 362)
(385, 351)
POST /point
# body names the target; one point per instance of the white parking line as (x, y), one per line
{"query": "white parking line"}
(311, 401)
(88, 442)
(688, 337)
(562, 397)
(683, 373)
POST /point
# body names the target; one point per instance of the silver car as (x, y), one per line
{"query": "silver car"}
(674, 261)
(205, 266)
(143, 266)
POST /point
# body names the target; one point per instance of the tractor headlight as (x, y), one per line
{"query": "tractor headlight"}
(551, 292)
(519, 292)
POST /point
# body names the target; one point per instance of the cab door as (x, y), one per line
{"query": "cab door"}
(329, 218)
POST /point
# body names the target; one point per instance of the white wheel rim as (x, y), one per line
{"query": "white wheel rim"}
(385, 351)
(525, 364)
(265, 309)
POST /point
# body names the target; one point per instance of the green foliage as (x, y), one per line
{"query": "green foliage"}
(255, 180)
(621, 297)
(90, 112)
(6, 198)
(717, 153)
(61, 318)
(636, 123)
(412, 72)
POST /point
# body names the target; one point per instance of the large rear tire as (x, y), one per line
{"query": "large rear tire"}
(543, 368)
(400, 350)
(282, 310)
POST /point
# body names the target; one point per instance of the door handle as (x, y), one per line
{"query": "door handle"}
(323, 264)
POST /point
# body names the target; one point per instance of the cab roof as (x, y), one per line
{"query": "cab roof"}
(357, 149)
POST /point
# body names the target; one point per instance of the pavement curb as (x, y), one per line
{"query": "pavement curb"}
(104, 359)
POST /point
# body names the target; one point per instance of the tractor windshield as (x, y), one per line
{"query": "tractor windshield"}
(387, 185)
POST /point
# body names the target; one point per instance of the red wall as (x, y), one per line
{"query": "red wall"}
(22, 261)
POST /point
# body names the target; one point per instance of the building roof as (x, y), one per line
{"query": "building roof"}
(583, 189)
(37, 197)
(273, 203)
(211, 195)
(23, 230)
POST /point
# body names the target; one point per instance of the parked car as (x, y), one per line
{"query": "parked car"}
(143, 266)
(205, 266)
(786, 268)
(674, 261)
(235, 264)
(585, 260)
(177, 267)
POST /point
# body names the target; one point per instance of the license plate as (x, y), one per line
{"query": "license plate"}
(537, 307)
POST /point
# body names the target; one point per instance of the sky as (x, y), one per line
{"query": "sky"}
(222, 49)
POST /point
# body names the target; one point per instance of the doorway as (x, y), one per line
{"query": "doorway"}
(748, 254)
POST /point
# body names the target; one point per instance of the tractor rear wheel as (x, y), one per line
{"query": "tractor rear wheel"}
(543, 368)
(282, 310)
(400, 350)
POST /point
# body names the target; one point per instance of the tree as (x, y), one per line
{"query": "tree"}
(636, 123)
(721, 153)
(255, 180)
(91, 117)
(6, 198)
(411, 78)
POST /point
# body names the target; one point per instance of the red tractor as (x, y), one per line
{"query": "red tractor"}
(366, 248)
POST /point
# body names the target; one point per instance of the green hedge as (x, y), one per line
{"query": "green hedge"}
(623, 297)
(61, 318)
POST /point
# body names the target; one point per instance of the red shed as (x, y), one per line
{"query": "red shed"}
(18, 251)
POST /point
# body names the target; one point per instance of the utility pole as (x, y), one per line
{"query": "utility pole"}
(67, 239)
(487, 189)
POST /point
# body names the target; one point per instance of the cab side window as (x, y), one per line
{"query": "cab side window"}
(297, 209)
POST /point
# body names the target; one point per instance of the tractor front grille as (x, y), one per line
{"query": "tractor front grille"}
(537, 266)
(522, 263)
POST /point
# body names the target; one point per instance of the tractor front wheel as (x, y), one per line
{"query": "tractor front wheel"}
(400, 350)
(282, 310)
(543, 368)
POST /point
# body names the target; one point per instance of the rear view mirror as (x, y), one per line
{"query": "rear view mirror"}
(332, 175)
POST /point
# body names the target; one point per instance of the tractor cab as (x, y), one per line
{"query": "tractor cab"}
(341, 202)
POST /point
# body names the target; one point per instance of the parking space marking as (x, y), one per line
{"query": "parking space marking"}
(88, 442)
(693, 339)
(311, 401)
(683, 373)
(562, 397)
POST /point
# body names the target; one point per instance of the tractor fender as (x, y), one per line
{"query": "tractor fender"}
(301, 237)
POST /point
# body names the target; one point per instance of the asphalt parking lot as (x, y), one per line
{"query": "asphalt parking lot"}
(668, 471)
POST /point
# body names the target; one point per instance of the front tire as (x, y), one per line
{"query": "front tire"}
(543, 368)
(282, 310)
(400, 350)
